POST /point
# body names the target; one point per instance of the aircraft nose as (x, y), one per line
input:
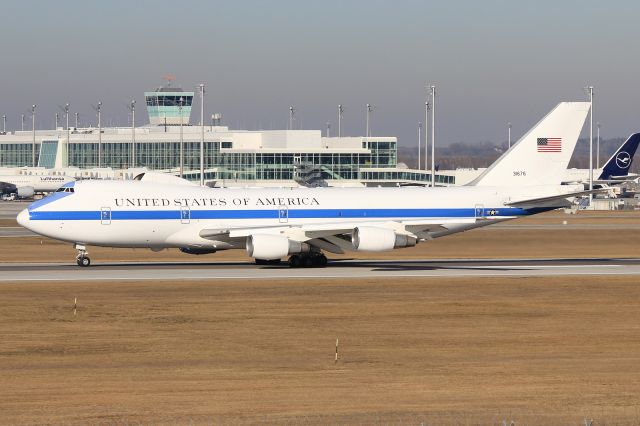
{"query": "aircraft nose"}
(23, 218)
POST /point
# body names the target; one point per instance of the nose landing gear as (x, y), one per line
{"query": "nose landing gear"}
(82, 259)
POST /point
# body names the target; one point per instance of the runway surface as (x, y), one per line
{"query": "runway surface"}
(336, 269)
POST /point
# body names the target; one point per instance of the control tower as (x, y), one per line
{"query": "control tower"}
(169, 106)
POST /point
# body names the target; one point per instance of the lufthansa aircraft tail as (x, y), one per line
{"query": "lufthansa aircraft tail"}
(620, 162)
(541, 156)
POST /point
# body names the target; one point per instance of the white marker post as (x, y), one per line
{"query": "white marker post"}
(336, 360)
(75, 305)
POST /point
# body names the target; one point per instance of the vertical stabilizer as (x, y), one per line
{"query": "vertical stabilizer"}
(620, 162)
(541, 156)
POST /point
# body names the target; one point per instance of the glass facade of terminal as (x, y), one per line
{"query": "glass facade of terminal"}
(223, 162)
(226, 163)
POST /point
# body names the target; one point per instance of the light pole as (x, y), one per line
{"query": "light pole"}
(509, 133)
(340, 111)
(33, 131)
(99, 134)
(57, 119)
(202, 135)
(181, 139)
(598, 145)
(76, 119)
(419, 144)
(328, 129)
(133, 133)
(427, 108)
(291, 113)
(433, 135)
(4, 124)
(22, 122)
(369, 109)
(66, 113)
(590, 92)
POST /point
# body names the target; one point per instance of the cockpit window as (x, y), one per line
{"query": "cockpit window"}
(63, 189)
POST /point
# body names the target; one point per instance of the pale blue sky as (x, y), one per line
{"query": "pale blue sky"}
(492, 61)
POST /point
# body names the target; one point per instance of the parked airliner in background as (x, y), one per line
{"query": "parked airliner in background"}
(25, 186)
(303, 222)
(615, 170)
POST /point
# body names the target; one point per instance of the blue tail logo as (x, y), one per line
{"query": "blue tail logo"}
(620, 162)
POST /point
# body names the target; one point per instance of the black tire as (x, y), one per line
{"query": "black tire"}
(308, 262)
(295, 261)
(322, 261)
(261, 262)
(274, 262)
(83, 261)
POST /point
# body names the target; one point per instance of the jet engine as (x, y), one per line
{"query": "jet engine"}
(269, 247)
(369, 238)
(25, 191)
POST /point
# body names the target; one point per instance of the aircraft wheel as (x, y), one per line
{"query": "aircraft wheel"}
(274, 262)
(261, 262)
(308, 262)
(322, 260)
(83, 261)
(295, 261)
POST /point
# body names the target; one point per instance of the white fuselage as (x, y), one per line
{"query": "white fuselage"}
(142, 214)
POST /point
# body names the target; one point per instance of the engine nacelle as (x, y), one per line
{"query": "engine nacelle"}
(270, 247)
(25, 191)
(369, 238)
(197, 250)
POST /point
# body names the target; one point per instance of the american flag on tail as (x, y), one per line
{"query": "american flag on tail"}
(549, 144)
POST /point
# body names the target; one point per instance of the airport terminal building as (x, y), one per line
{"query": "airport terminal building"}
(232, 157)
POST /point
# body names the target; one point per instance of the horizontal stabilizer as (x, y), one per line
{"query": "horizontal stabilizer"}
(552, 201)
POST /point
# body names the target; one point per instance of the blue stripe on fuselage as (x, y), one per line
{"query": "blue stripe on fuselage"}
(275, 214)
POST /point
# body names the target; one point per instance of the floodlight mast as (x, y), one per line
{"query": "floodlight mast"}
(509, 134)
(66, 113)
(202, 134)
(33, 131)
(99, 134)
(340, 111)
(427, 108)
(4, 124)
(433, 135)
(419, 144)
(181, 140)
(589, 90)
(292, 111)
(133, 133)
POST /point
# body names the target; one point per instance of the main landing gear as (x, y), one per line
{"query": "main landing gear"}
(82, 259)
(308, 260)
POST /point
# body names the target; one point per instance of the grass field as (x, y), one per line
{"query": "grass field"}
(553, 350)
(533, 350)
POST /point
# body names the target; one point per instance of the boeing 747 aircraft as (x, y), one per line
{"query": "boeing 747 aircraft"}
(301, 223)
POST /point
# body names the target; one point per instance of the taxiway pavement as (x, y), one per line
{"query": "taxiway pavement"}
(345, 269)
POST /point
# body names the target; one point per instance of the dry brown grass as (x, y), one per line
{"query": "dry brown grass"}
(535, 350)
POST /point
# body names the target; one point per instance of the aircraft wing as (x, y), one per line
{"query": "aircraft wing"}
(332, 236)
(552, 201)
